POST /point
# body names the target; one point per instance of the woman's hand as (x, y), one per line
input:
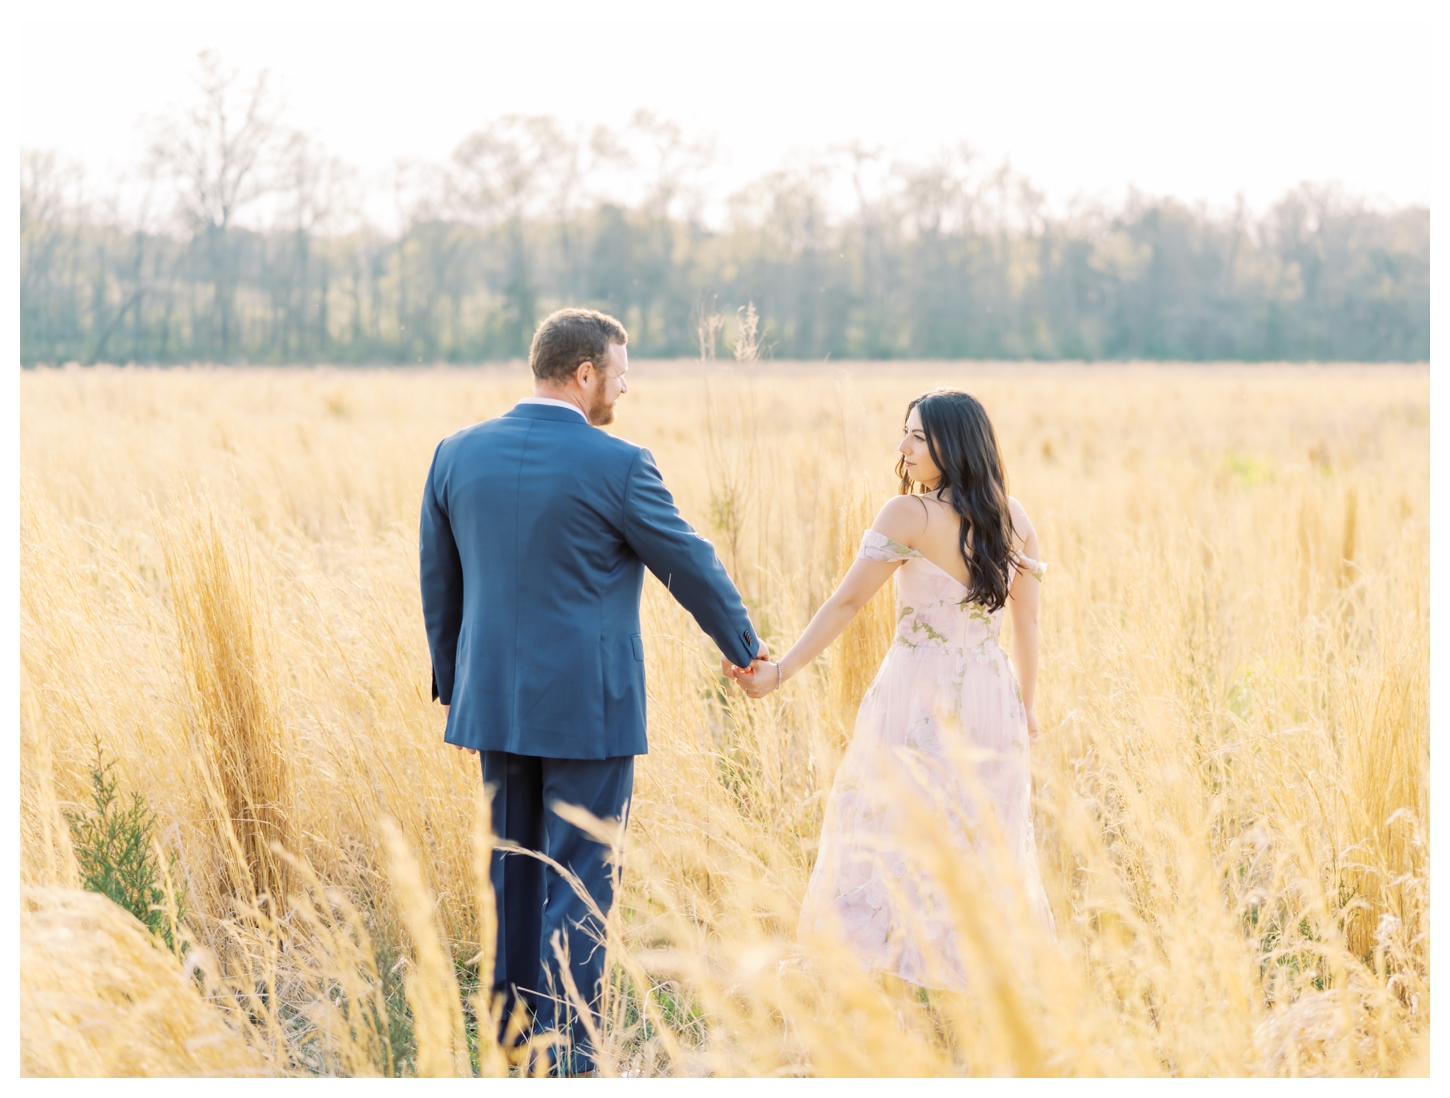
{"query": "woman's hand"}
(760, 680)
(1031, 726)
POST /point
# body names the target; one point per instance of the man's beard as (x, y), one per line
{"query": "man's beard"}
(601, 414)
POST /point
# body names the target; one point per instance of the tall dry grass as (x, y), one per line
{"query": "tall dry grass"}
(1231, 798)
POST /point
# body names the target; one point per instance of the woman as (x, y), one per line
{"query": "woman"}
(933, 793)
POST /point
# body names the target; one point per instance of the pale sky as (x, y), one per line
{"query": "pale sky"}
(1199, 108)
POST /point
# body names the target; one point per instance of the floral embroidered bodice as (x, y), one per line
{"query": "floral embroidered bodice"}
(930, 613)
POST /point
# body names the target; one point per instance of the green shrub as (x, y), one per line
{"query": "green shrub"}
(117, 856)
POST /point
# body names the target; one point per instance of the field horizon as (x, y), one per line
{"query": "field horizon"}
(763, 364)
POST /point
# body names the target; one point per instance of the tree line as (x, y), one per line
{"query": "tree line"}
(247, 245)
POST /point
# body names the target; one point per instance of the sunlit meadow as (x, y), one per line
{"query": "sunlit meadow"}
(219, 588)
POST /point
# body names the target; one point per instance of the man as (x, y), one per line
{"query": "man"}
(535, 533)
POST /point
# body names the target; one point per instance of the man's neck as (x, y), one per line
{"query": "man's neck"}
(549, 392)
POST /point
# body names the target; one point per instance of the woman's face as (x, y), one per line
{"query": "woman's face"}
(914, 452)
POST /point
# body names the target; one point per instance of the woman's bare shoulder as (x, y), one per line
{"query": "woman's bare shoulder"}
(902, 518)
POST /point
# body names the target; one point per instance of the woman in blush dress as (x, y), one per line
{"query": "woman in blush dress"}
(932, 798)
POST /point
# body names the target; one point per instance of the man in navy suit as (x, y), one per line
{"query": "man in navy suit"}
(536, 531)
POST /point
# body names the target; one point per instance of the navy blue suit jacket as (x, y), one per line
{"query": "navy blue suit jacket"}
(535, 534)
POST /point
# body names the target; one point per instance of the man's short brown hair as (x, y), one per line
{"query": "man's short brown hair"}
(571, 337)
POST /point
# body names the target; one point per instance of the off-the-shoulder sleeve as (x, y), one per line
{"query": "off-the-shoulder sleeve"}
(877, 546)
(1035, 568)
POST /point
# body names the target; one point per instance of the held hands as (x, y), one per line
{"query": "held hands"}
(759, 679)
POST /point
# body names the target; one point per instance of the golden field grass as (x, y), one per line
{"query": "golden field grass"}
(219, 583)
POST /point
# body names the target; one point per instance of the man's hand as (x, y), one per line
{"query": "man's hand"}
(740, 674)
(460, 747)
(758, 680)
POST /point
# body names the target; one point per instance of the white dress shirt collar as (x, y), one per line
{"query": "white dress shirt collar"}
(556, 404)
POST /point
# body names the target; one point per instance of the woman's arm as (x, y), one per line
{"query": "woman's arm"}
(1023, 600)
(902, 519)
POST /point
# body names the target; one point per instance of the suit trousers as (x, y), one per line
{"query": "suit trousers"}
(536, 903)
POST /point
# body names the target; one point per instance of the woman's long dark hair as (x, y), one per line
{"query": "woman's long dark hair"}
(961, 442)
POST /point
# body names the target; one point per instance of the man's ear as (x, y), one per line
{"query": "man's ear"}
(579, 372)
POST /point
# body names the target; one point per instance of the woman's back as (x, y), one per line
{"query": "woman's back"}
(938, 535)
